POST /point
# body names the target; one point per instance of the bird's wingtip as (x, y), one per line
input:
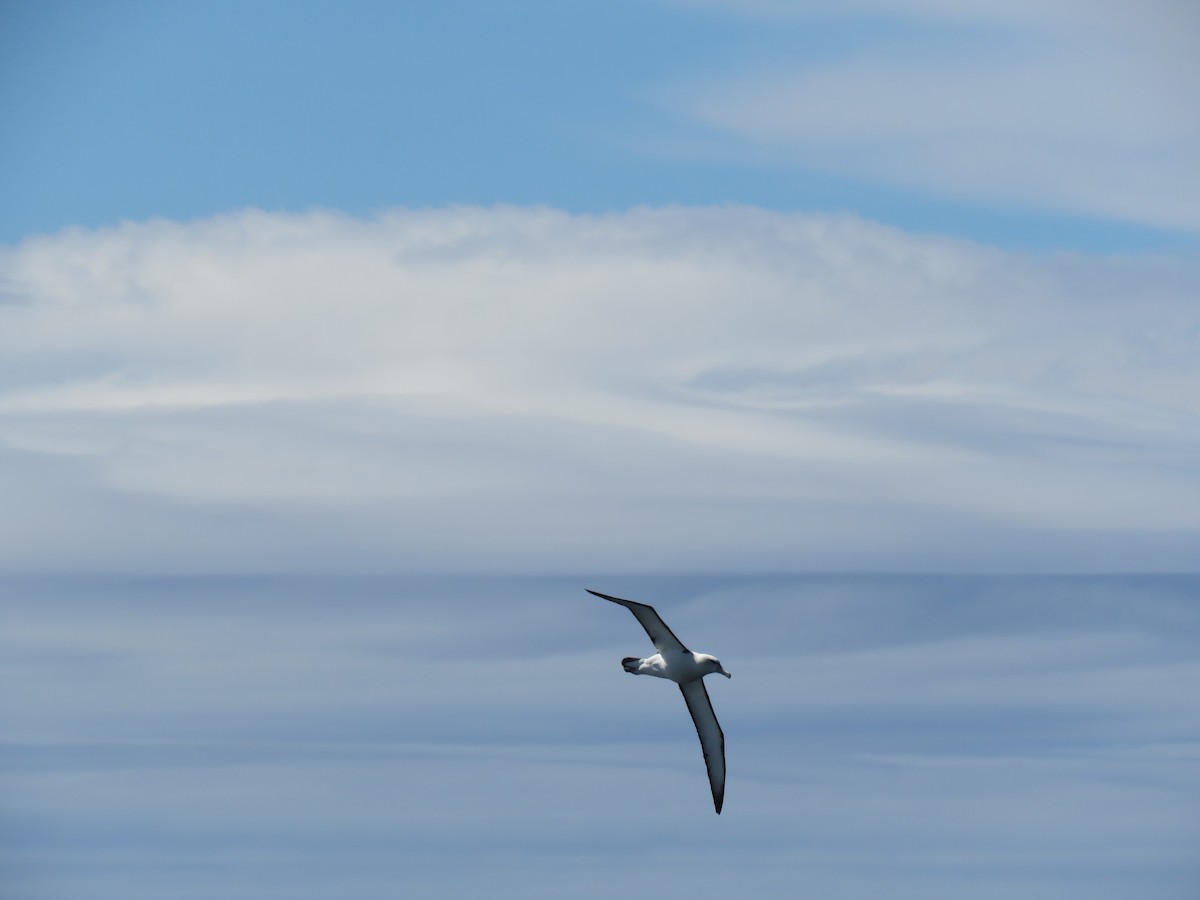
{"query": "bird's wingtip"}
(625, 603)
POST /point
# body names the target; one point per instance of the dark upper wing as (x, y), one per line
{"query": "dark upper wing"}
(712, 739)
(659, 633)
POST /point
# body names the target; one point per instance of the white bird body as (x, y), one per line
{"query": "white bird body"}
(677, 663)
(680, 667)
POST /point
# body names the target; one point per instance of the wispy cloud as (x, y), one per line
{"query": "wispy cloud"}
(1076, 108)
(964, 735)
(651, 388)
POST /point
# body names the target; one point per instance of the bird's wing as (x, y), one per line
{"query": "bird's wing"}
(664, 640)
(712, 739)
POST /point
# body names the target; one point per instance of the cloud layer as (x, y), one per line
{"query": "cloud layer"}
(1066, 107)
(913, 737)
(524, 387)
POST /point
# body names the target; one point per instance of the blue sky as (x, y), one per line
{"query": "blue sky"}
(343, 345)
(921, 115)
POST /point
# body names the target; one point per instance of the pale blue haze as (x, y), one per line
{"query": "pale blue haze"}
(899, 737)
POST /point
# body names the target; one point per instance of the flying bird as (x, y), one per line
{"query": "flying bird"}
(687, 669)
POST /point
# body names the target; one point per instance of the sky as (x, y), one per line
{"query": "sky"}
(342, 345)
(1026, 124)
(890, 737)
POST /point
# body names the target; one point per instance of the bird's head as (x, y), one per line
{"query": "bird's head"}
(712, 664)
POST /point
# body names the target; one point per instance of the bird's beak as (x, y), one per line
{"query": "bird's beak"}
(726, 674)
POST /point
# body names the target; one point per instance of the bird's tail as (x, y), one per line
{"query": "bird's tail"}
(630, 664)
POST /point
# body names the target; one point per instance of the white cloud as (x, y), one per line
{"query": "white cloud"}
(1076, 108)
(658, 388)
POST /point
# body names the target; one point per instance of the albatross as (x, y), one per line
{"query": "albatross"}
(686, 669)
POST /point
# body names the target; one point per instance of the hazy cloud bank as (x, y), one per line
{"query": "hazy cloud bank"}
(659, 388)
(1069, 107)
(902, 736)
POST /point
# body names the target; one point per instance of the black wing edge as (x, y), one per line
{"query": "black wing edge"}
(615, 599)
(718, 793)
(629, 604)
